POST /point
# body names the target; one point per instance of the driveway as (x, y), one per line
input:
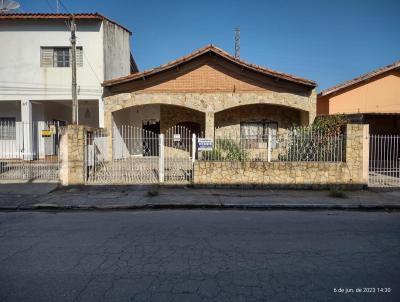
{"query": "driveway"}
(199, 255)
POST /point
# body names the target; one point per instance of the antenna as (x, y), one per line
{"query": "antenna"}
(237, 42)
(8, 5)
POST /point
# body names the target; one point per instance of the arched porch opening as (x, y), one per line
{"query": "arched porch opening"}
(158, 118)
(240, 119)
(135, 130)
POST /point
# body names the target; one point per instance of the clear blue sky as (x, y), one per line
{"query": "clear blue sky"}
(329, 41)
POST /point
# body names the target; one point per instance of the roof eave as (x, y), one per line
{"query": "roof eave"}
(207, 49)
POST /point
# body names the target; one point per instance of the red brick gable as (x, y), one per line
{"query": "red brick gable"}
(207, 78)
(208, 74)
(210, 52)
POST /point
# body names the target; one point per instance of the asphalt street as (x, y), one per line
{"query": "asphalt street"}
(197, 255)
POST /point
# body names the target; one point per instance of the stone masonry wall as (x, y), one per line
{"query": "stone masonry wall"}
(351, 173)
(211, 103)
(72, 155)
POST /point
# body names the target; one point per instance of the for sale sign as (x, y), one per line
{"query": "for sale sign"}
(205, 144)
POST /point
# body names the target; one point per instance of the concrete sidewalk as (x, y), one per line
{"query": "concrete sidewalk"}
(158, 197)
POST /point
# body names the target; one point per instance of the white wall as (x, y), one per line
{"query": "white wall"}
(21, 75)
(116, 51)
(127, 141)
(106, 55)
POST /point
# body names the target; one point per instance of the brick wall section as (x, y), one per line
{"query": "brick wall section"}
(353, 173)
(208, 78)
(207, 75)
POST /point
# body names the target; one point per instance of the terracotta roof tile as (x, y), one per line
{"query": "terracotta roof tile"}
(213, 49)
(359, 79)
(49, 16)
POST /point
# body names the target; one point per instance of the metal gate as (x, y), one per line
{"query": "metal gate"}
(29, 151)
(131, 155)
(384, 161)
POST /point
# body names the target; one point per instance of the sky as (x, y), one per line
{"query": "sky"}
(328, 41)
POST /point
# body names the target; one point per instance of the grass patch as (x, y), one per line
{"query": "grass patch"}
(153, 193)
(336, 193)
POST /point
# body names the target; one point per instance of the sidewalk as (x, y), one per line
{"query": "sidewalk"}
(155, 197)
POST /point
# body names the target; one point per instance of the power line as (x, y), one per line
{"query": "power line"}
(64, 7)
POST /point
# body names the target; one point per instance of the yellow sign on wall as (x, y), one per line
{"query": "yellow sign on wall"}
(47, 133)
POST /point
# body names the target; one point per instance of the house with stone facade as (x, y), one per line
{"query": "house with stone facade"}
(210, 91)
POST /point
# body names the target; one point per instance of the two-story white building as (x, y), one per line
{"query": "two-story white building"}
(35, 71)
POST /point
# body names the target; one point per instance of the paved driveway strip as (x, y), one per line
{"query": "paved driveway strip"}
(198, 256)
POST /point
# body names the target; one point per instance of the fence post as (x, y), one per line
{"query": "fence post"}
(161, 159)
(193, 148)
(269, 146)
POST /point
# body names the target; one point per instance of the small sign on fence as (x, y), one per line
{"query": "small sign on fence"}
(47, 133)
(177, 137)
(204, 144)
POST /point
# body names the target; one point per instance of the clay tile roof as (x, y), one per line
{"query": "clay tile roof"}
(209, 49)
(376, 72)
(50, 16)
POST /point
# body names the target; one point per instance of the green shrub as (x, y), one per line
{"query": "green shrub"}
(231, 150)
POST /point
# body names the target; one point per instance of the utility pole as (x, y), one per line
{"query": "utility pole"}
(73, 65)
(58, 6)
(237, 42)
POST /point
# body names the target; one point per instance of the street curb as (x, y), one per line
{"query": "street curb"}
(265, 207)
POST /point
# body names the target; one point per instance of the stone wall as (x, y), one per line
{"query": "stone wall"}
(213, 103)
(351, 173)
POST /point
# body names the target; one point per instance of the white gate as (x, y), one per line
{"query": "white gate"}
(178, 155)
(29, 151)
(384, 161)
(132, 155)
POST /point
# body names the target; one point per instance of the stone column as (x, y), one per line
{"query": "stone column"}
(108, 125)
(209, 124)
(72, 156)
(357, 153)
(312, 113)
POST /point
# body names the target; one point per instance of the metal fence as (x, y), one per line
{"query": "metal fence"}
(133, 155)
(297, 144)
(384, 161)
(29, 151)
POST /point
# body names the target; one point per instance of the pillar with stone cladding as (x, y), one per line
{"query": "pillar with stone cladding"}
(357, 153)
(72, 155)
(209, 124)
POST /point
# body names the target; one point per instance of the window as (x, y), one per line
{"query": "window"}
(7, 128)
(255, 132)
(59, 56)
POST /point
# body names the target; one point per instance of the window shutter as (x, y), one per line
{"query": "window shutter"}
(79, 56)
(46, 57)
